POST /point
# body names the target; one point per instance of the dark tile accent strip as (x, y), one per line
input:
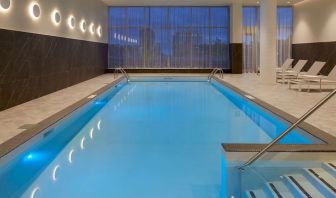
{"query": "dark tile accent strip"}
(322, 180)
(330, 140)
(252, 194)
(275, 190)
(167, 70)
(321, 51)
(300, 187)
(332, 165)
(26, 135)
(33, 65)
(236, 57)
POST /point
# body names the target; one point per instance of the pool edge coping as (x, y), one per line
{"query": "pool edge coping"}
(20, 139)
(330, 140)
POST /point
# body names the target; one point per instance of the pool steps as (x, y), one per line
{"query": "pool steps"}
(310, 183)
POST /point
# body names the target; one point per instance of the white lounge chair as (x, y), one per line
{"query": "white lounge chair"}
(285, 66)
(316, 80)
(314, 70)
(292, 73)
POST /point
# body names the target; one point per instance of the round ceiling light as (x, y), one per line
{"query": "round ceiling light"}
(92, 28)
(72, 22)
(5, 5)
(99, 31)
(83, 25)
(35, 10)
(56, 17)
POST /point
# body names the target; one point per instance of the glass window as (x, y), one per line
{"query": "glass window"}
(163, 37)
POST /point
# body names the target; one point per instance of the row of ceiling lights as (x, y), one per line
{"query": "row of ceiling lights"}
(35, 13)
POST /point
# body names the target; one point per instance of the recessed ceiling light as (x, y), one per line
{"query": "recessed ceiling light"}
(34, 10)
(72, 22)
(56, 17)
(5, 5)
(83, 25)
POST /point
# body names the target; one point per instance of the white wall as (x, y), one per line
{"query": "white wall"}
(315, 21)
(18, 18)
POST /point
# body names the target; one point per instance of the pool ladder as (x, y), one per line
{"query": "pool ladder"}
(214, 72)
(122, 71)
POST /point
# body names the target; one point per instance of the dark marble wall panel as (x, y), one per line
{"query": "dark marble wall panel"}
(325, 51)
(33, 65)
(236, 57)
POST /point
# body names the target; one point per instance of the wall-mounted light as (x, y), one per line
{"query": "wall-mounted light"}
(99, 31)
(5, 5)
(92, 28)
(72, 22)
(34, 10)
(83, 25)
(56, 17)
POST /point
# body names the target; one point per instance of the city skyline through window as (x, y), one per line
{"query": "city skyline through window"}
(169, 37)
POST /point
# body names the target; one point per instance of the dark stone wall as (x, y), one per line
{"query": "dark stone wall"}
(236, 57)
(33, 65)
(324, 51)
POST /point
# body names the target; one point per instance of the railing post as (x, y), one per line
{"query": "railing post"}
(300, 120)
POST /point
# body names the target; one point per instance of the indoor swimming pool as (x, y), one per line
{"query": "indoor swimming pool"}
(150, 137)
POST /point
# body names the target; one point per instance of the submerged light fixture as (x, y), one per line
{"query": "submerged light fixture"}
(34, 10)
(91, 133)
(34, 191)
(54, 172)
(70, 155)
(82, 143)
(56, 17)
(5, 5)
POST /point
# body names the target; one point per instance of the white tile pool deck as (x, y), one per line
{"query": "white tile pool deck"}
(293, 102)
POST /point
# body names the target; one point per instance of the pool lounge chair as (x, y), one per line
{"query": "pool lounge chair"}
(315, 80)
(285, 66)
(292, 73)
(314, 70)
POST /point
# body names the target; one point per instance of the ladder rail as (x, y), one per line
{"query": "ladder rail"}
(214, 72)
(288, 130)
(122, 71)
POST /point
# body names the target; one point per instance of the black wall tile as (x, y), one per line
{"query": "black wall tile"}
(325, 51)
(236, 57)
(33, 65)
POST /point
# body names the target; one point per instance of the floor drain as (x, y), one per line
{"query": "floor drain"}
(26, 126)
(92, 96)
(250, 97)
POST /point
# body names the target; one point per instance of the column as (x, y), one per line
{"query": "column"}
(268, 35)
(236, 37)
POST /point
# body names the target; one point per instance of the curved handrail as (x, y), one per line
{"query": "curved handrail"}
(122, 71)
(214, 71)
(300, 120)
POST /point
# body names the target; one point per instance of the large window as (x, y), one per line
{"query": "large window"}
(169, 37)
(251, 34)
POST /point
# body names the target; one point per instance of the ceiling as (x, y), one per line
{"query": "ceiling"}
(187, 2)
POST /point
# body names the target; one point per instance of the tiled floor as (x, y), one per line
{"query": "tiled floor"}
(293, 102)
(15, 120)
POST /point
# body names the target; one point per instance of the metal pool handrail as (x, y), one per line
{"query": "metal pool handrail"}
(214, 71)
(300, 120)
(121, 71)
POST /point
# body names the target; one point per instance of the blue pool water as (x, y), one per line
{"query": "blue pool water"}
(145, 139)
